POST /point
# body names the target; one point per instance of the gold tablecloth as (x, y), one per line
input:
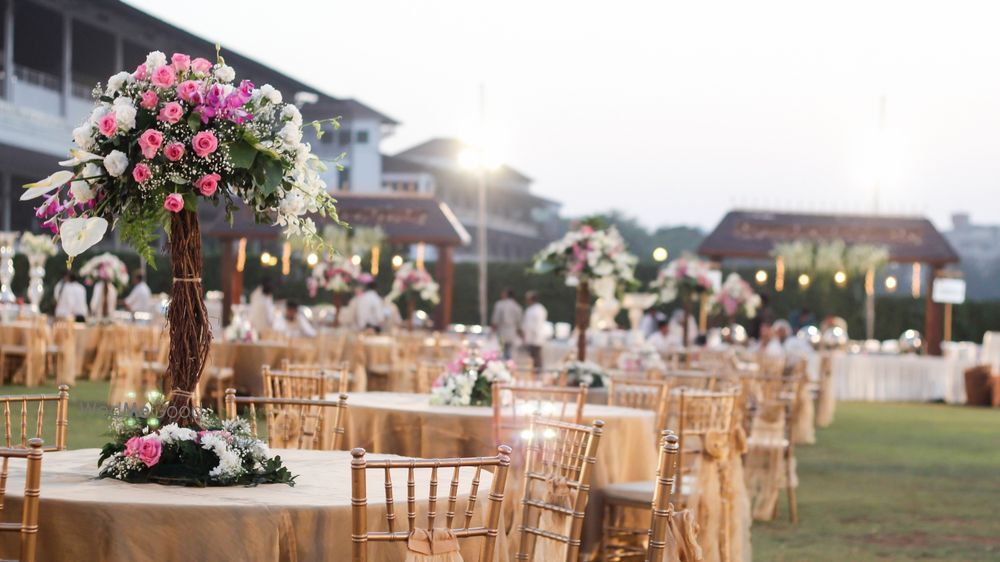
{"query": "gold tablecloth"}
(82, 518)
(249, 359)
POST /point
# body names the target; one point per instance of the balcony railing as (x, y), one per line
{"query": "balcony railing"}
(37, 78)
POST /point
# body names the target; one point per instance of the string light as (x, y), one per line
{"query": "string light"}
(397, 261)
(241, 255)
(286, 258)
(421, 249)
(265, 258)
(312, 259)
(660, 254)
(779, 274)
(356, 259)
(840, 278)
(760, 277)
(376, 254)
(890, 284)
(915, 281)
(804, 280)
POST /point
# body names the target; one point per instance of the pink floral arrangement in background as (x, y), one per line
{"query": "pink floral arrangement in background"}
(172, 135)
(468, 379)
(338, 274)
(105, 267)
(737, 295)
(596, 255)
(411, 281)
(683, 278)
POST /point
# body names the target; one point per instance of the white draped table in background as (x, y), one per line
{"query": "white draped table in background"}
(899, 378)
(83, 518)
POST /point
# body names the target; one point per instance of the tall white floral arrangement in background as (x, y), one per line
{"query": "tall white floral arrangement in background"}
(411, 281)
(682, 278)
(598, 256)
(105, 267)
(36, 246)
(736, 295)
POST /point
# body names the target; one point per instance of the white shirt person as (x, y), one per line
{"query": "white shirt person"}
(140, 299)
(98, 307)
(71, 298)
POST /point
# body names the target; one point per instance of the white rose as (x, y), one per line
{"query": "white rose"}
(225, 73)
(155, 60)
(98, 112)
(81, 191)
(115, 163)
(272, 95)
(125, 115)
(116, 82)
(291, 113)
(291, 134)
(83, 136)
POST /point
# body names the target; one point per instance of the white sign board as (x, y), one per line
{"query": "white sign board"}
(949, 291)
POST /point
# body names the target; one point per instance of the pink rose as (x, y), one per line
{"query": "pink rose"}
(149, 100)
(174, 151)
(204, 143)
(187, 89)
(149, 142)
(173, 203)
(180, 61)
(164, 76)
(207, 184)
(141, 173)
(108, 125)
(140, 72)
(149, 450)
(171, 112)
(132, 446)
(201, 65)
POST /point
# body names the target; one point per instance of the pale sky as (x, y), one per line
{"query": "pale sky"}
(671, 111)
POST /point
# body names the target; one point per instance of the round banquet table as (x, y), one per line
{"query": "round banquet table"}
(248, 360)
(408, 424)
(85, 518)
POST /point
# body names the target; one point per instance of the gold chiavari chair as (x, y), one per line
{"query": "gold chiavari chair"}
(336, 375)
(426, 373)
(127, 364)
(217, 374)
(28, 526)
(62, 354)
(331, 346)
(154, 368)
(514, 406)
(672, 532)
(559, 467)
(302, 350)
(295, 423)
(24, 348)
(641, 394)
(451, 532)
(770, 461)
(9, 407)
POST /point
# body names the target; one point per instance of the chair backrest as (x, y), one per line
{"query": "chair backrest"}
(299, 380)
(514, 405)
(642, 394)
(667, 470)
(460, 525)
(28, 527)
(16, 407)
(426, 373)
(700, 413)
(557, 475)
(295, 423)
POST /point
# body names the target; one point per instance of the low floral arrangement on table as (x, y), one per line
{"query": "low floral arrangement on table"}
(105, 267)
(735, 296)
(218, 453)
(584, 372)
(36, 245)
(175, 132)
(240, 331)
(468, 380)
(640, 358)
(338, 274)
(414, 283)
(597, 255)
(682, 278)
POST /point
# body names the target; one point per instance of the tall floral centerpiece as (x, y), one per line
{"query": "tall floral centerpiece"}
(109, 271)
(338, 275)
(591, 259)
(413, 284)
(37, 248)
(7, 250)
(468, 380)
(686, 279)
(736, 296)
(162, 140)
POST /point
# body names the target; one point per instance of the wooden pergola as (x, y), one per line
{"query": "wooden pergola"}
(754, 234)
(405, 219)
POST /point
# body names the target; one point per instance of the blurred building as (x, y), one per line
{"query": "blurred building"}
(979, 247)
(53, 53)
(519, 223)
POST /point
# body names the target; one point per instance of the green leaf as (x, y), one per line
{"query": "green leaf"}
(242, 154)
(273, 176)
(190, 201)
(194, 121)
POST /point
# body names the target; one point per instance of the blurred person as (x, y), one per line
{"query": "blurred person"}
(370, 310)
(262, 307)
(140, 298)
(765, 315)
(506, 321)
(71, 298)
(662, 340)
(677, 327)
(533, 324)
(348, 313)
(801, 318)
(294, 322)
(650, 322)
(104, 301)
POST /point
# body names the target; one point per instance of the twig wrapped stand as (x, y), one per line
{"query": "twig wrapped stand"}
(582, 319)
(190, 333)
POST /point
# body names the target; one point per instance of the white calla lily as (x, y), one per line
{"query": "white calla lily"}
(41, 187)
(80, 234)
(79, 157)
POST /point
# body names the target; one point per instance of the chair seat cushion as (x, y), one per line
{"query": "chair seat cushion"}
(631, 492)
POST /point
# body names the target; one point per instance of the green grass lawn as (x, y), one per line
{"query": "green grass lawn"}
(886, 482)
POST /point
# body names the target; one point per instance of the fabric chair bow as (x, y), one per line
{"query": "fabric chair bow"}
(432, 545)
(558, 490)
(682, 539)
